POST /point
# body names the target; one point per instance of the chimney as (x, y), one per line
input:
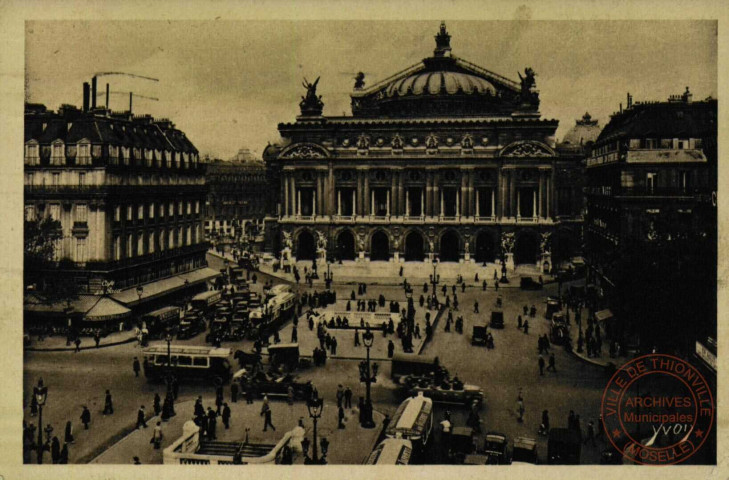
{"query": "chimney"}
(630, 100)
(93, 92)
(621, 108)
(130, 102)
(107, 96)
(86, 96)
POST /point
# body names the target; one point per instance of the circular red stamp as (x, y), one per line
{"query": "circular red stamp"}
(657, 410)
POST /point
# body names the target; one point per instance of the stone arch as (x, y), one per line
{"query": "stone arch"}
(345, 244)
(305, 245)
(380, 246)
(414, 246)
(486, 248)
(526, 247)
(450, 246)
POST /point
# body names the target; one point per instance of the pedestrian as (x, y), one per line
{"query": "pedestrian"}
(484, 285)
(156, 404)
(226, 416)
(234, 391)
(475, 278)
(55, 450)
(551, 363)
(141, 421)
(311, 323)
(526, 326)
(520, 409)
(475, 306)
(356, 337)
(340, 395)
(63, 460)
(545, 422)
(496, 286)
(97, 338)
(518, 322)
(157, 436)
(390, 349)
(212, 420)
(108, 405)
(290, 394)
(136, 461)
(68, 434)
(417, 331)
(86, 417)
(294, 335)
(541, 365)
(348, 397)
(77, 342)
(590, 434)
(135, 366)
(250, 392)
(266, 413)
(446, 426)
(49, 432)
(334, 346)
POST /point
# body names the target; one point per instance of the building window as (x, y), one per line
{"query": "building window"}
(117, 248)
(117, 213)
(113, 155)
(140, 244)
(189, 235)
(197, 234)
(29, 178)
(29, 213)
(151, 242)
(129, 212)
(179, 207)
(172, 239)
(650, 143)
(130, 246)
(683, 144)
(81, 179)
(197, 207)
(81, 250)
(634, 143)
(84, 154)
(31, 154)
(172, 209)
(140, 212)
(55, 211)
(189, 208)
(148, 157)
(125, 154)
(161, 210)
(58, 156)
(151, 210)
(56, 179)
(685, 180)
(650, 181)
(82, 213)
(162, 240)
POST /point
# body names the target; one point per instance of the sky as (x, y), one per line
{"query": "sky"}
(228, 84)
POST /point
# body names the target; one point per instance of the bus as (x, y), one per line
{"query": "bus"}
(160, 321)
(404, 365)
(413, 420)
(280, 309)
(188, 363)
(391, 451)
(279, 289)
(204, 301)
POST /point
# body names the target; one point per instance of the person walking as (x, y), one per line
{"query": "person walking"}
(356, 337)
(348, 397)
(63, 460)
(218, 399)
(590, 434)
(135, 367)
(97, 338)
(55, 450)
(294, 335)
(226, 416)
(68, 434)
(334, 346)
(77, 342)
(290, 395)
(108, 405)
(526, 327)
(157, 436)
(212, 421)
(551, 363)
(156, 404)
(544, 426)
(266, 413)
(86, 417)
(390, 349)
(340, 417)
(141, 421)
(340, 395)
(475, 306)
(541, 365)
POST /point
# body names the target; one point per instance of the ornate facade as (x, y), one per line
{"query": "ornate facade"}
(444, 160)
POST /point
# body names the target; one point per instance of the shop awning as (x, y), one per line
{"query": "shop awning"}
(106, 309)
(130, 297)
(603, 315)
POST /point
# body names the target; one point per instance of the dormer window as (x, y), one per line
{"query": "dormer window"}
(185, 159)
(58, 153)
(113, 155)
(148, 157)
(32, 156)
(125, 154)
(83, 157)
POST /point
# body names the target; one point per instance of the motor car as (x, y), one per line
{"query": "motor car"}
(496, 448)
(497, 319)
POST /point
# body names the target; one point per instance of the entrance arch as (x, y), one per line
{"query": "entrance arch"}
(525, 248)
(306, 249)
(345, 245)
(485, 251)
(380, 246)
(414, 247)
(450, 247)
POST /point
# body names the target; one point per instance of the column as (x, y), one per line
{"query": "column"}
(518, 205)
(470, 194)
(298, 202)
(437, 207)
(359, 191)
(329, 199)
(493, 202)
(313, 203)
(400, 194)
(441, 202)
(478, 206)
(366, 197)
(500, 186)
(317, 193)
(422, 202)
(458, 202)
(339, 202)
(512, 193)
(534, 204)
(393, 194)
(294, 203)
(372, 203)
(427, 206)
(387, 203)
(462, 196)
(551, 192)
(407, 203)
(286, 195)
(354, 203)
(541, 194)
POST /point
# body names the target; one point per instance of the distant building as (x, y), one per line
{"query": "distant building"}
(129, 192)
(236, 196)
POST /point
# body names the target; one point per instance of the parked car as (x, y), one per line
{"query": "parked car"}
(528, 283)
(496, 448)
(497, 319)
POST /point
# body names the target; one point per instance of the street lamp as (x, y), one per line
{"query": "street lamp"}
(140, 291)
(435, 279)
(368, 376)
(168, 339)
(328, 276)
(315, 407)
(41, 395)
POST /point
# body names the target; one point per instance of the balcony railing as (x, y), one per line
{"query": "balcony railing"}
(656, 192)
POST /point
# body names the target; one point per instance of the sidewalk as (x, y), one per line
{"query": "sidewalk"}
(604, 362)
(57, 343)
(350, 445)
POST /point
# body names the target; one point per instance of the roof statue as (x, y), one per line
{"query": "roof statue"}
(529, 92)
(359, 82)
(311, 104)
(442, 42)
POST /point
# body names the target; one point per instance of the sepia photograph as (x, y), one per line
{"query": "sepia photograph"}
(370, 242)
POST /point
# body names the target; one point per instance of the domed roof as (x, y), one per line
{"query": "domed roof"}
(585, 131)
(434, 83)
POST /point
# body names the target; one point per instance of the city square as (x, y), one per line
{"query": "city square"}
(442, 275)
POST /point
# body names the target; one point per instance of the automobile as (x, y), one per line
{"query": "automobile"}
(461, 443)
(497, 319)
(495, 447)
(190, 326)
(553, 305)
(528, 283)
(524, 451)
(479, 335)
(463, 396)
(284, 354)
(559, 329)
(563, 447)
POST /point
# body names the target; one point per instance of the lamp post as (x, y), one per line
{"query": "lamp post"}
(435, 279)
(315, 407)
(168, 339)
(328, 276)
(140, 291)
(41, 395)
(368, 376)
